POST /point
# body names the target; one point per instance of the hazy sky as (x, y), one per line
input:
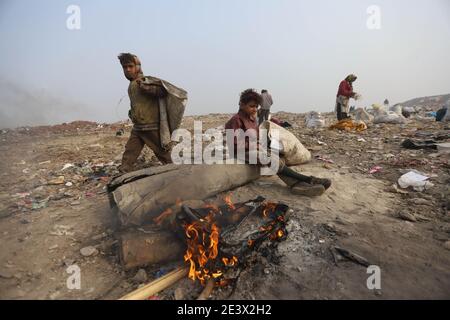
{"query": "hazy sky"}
(298, 50)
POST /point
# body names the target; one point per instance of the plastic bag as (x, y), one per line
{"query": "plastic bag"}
(314, 120)
(396, 109)
(447, 114)
(382, 116)
(413, 179)
(363, 115)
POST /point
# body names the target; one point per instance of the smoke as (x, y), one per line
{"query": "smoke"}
(22, 106)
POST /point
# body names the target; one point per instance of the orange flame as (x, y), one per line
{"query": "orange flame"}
(228, 201)
(202, 248)
(230, 262)
(269, 207)
(277, 235)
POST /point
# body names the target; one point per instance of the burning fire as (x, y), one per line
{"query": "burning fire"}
(228, 201)
(203, 240)
(269, 207)
(203, 249)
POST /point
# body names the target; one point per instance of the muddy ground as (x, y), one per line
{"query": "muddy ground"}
(47, 214)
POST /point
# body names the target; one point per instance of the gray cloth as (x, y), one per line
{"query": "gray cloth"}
(171, 108)
(267, 101)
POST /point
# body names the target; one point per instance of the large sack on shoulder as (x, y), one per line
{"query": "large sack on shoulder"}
(291, 149)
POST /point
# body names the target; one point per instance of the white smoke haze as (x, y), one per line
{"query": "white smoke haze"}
(298, 50)
(22, 106)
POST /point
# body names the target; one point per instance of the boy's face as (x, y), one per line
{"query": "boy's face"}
(130, 70)
(250, 109)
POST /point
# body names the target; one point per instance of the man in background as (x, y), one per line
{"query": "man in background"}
(266, 103)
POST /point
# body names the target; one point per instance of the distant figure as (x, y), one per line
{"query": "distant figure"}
(386, 104)
(266, 103)
(345, 92)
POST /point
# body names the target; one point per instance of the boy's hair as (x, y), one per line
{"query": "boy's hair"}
(127, 58)
(250, 95)
(263, 91)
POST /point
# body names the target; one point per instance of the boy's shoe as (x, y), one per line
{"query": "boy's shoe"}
(307, 189)
(325, 182)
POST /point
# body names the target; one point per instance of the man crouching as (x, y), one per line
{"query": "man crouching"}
(245, 120)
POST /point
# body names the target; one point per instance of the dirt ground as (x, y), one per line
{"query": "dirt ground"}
(49, 210)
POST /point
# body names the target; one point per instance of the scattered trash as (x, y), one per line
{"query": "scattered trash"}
(415, 180)
(349, 125)
(443, 147)
(67, 165)
(395, 189)
(352, 256)
(44, 162)
(160, 273)
(120, 132)
(397, 109)
(88, 251)
(21, 195)
(361, 140)
(314, 120)
(61, 230)
(323, 159)
(39, 205)
(140, 276)
(56, 181)
(363, 115)
(405, 215)
(416, 144)
(26, 171)
(420, 202)
(375, 169)
(392, 118)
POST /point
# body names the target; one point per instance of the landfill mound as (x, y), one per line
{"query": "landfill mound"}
(55, 215)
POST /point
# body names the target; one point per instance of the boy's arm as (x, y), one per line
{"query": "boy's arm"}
(154, 90)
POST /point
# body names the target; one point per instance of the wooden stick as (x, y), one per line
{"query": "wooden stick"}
(157, 285)
(207, 291)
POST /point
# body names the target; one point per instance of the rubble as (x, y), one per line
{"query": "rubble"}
(61, 215)
(88, 251)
